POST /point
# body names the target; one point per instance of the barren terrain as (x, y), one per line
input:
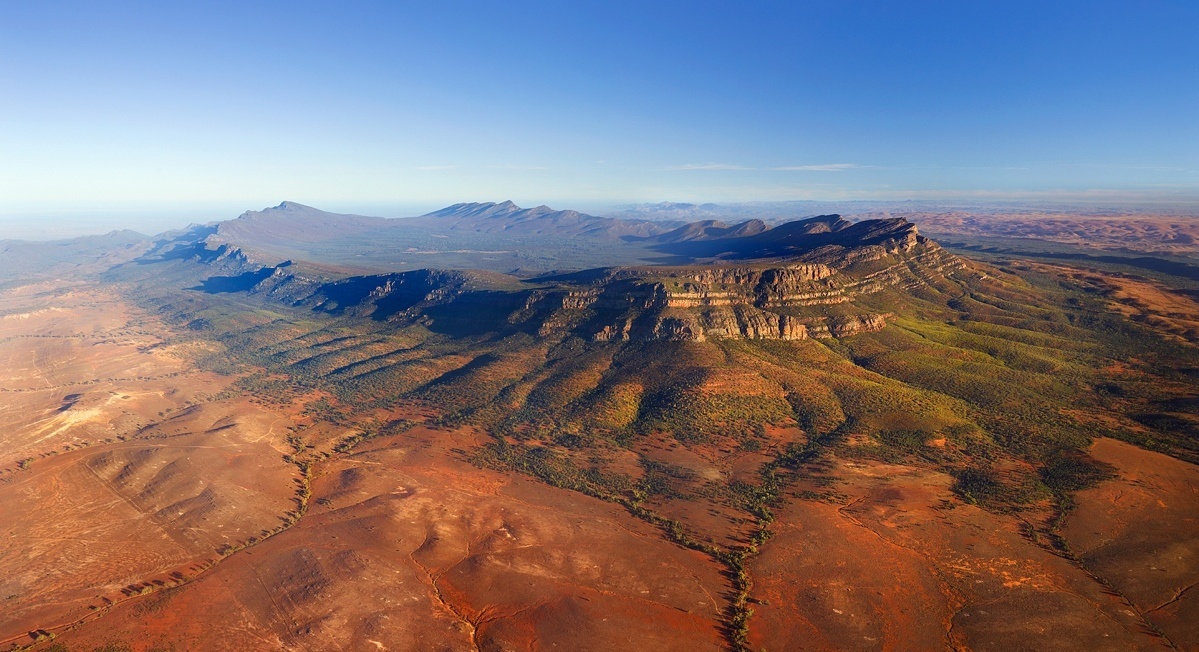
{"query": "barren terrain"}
(1170, 311)
(1110, 230)
(1128, 531)
(406, 547)
(122, 472)
(143, 529)
(954, 456)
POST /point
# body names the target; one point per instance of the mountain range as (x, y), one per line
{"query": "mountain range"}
(492, 427)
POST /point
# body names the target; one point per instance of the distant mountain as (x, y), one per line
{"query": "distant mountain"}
(828, 236)
(290, 223)
(490, 217)
(21, 258)
(489, 209)
(710, 230)
(771, 212)
(97, 242)
(501, 237)
(506, 238)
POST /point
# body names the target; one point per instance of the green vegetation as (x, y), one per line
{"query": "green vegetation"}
(989, 380)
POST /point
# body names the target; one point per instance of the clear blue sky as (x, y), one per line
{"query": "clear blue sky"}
(123, 105)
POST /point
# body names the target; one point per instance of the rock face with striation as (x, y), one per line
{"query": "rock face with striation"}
(822, 287)
(822, 277)
(834, 289)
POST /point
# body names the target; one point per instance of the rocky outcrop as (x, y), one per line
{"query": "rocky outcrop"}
(789, 300)
(742, 323)
(852, 325)
(749, 323)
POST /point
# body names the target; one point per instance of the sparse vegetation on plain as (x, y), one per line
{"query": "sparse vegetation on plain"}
(990, 384)
(970, 379)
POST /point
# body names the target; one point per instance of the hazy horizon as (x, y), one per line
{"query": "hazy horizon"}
(40, 224)
(131, 106)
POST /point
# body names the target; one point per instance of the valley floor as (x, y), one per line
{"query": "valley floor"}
(150, 505)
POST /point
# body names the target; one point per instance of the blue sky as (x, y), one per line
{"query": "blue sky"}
(141, 106)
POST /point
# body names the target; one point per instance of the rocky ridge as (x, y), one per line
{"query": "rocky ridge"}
(786, 300)
(820, 293)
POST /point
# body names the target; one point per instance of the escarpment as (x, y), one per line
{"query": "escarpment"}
(822, 278)
(813, 295)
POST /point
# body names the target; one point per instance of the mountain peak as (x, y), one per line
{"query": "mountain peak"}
(477, 209)
(290, 222)
(283, 207)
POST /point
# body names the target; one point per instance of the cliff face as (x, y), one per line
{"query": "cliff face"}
(836, 289)
(823, 293)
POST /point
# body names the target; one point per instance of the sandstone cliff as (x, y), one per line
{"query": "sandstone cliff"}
(834, 284)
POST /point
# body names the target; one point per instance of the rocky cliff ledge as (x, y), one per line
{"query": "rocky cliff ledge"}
(818, 294)
(836, 289)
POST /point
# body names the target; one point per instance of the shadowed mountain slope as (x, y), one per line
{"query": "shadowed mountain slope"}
(711, 229)
(829, 235)
(541, 220)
